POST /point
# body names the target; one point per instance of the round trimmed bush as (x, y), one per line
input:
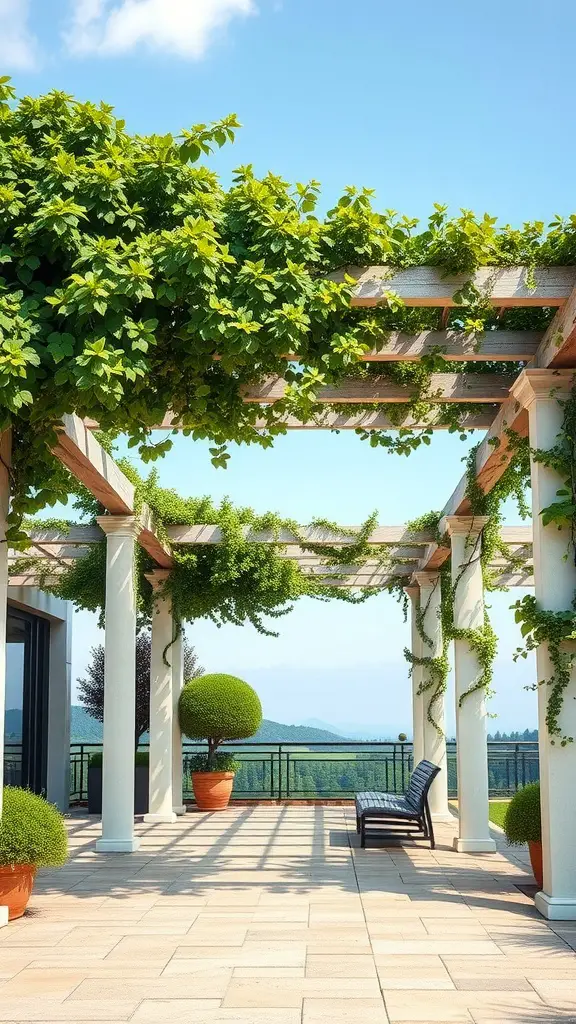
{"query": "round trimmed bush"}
(32, 831)
(522, 818)
(219, 707)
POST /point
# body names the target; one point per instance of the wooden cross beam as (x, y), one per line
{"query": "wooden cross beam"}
(80, 452)
(431, 286)
(444, 387)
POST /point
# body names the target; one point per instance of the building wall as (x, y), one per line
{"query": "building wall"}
(59, 613)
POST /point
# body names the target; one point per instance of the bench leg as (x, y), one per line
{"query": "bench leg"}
(363, 834)
(430, 827)
(358, 824)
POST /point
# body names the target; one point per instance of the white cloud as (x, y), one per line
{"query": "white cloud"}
(182, 27)
(17, 42)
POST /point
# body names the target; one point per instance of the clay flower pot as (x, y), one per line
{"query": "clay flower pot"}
(535, 850)
(16, 882)
(212, 790)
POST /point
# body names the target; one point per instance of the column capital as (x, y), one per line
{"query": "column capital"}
(412, 591)
(470, 526)
(426, 579)
(123, 526)
(541, 384)
(157, 578)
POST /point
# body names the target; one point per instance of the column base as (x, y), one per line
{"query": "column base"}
(3, 916)
(441, 816)
(118, 845)
(556, 908)
(162, 818)
(180, 810)
(474, 845)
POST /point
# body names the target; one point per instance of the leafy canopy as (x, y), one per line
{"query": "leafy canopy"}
(127, 268)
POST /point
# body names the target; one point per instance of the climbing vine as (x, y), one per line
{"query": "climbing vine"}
(133, 283)
(483, 548)
(538, 625)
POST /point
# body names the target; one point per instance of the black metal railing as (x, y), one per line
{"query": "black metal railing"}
(330, 770)
(12, 763)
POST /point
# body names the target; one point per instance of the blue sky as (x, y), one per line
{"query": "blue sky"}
(442, 102)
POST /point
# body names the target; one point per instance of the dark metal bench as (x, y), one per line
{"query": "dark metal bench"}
(392, 814)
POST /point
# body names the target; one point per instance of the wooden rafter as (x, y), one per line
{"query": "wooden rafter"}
(444, 387)
(431, 286)
(80, 452)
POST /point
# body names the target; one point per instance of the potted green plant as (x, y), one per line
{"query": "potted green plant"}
(216, 708)
(522, 825)
(32, 835)
(141, 787)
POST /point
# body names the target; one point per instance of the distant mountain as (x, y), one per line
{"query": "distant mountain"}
(85, 729)
(13, 724)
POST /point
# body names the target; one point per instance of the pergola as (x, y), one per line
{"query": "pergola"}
(528, 404)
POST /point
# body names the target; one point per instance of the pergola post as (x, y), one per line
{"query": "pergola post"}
(5, 450)
(161, 704)
(434, 736)
(541, 392)
(413, 593)
(471, 744)
(119, 687)
(178, 805)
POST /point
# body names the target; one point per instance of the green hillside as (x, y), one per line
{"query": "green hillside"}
(85, 729)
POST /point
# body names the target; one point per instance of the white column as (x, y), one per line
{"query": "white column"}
(5, 449)
(161, 704)
(119, 687)
(541, 392)
(178, 805)
(434, 737)
(413, 593)
(471, 742)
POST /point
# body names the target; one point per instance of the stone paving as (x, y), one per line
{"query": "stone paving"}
(273, 915)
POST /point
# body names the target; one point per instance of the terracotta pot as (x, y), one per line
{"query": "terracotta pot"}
(212, 790)
(535, 850)
(16, 882)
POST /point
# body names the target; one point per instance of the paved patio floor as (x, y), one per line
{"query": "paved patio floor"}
(273, 915)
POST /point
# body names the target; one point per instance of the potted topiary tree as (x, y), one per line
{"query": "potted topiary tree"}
(522, 825)
(216, 708)
(32, 835)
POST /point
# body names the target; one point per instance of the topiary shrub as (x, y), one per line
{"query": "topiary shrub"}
(32, 831)
(522, 819)
(218, 707)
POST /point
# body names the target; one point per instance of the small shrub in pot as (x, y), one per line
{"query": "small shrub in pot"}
(32, 836)
(522, 824)
(217, 707)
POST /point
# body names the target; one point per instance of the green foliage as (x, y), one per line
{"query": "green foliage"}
(234, 581)
(32, 831)
(522, 820)
(482, 640)
(127, 268)
(221, 762)
(218, 707)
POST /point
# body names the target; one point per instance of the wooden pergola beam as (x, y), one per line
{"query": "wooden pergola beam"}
(493, 346)
(87, 460)
(431, 286)
(385, 535)
(444, 387)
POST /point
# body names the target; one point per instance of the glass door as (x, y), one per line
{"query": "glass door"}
(26, 721)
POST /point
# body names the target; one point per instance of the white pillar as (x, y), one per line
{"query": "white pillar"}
(119, 687)
(178, 805)
(541, 391)
(413, 593)
(471, 741)
(5, 449)
(161, 704)
(434, 737)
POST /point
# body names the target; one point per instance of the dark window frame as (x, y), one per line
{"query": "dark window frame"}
(35, 699)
